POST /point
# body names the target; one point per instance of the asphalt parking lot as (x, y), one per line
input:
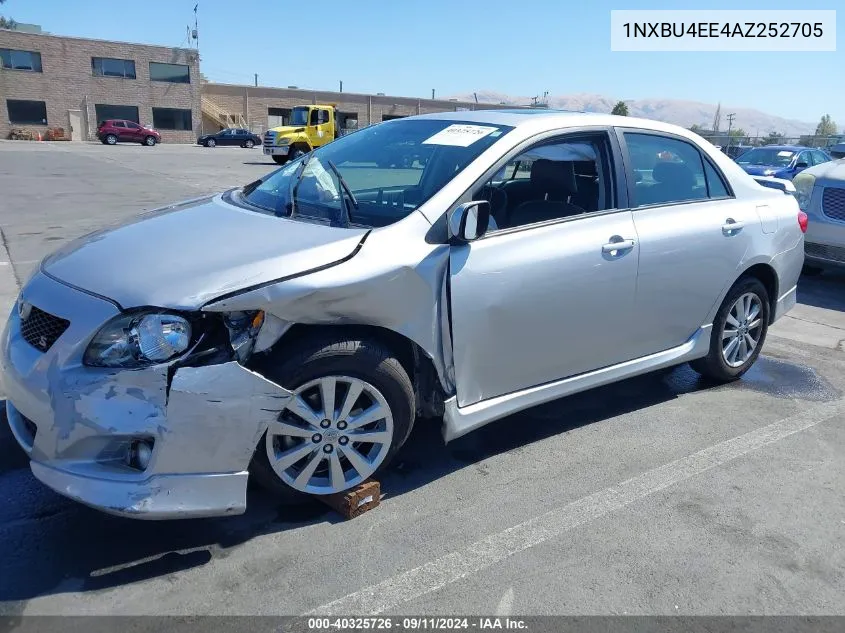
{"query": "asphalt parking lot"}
(658, 495)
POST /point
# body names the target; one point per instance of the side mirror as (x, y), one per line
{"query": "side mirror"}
(801, 165)
(469, 221)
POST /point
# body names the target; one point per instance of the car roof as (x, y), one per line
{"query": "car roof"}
(793, 148)
(539, 118)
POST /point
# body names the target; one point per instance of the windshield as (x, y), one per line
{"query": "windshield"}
(767, 156)
(299, 116)
(390, 169)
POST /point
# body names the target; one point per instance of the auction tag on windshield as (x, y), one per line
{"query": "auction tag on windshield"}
(460, 135)
(785, 153)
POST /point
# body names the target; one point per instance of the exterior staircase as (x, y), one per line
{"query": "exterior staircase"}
(220, 116)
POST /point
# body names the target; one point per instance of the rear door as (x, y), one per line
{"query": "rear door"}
(120, 130)
(693, 236)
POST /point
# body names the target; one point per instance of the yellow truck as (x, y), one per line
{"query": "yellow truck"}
(311, 126)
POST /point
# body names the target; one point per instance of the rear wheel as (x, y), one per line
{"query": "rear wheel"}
(111, 139)
(739, 331)
(352, 410)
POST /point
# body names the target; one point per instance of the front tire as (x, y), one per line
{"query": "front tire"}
(353, 409)
(739, 331)
(150, 141)
(298, 151)
(249, 144)
(210, 142)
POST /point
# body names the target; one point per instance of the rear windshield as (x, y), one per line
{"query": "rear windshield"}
(390, 169)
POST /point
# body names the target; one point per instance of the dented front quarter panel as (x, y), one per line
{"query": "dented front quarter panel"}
(396, 280)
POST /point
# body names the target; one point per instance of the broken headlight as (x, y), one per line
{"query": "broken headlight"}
(138, 340)
(243, 329)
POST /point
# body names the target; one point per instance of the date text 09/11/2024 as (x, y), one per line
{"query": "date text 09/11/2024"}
(416, 623)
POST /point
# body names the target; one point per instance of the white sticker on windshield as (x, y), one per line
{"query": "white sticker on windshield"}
(460, 135)
(785, 153)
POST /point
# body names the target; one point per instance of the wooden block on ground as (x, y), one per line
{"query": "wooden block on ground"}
(352, 503)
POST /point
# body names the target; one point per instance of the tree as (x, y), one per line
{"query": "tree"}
(773, 138)
(6, 23)
(621, 108)
(696, 129)
(826, 127)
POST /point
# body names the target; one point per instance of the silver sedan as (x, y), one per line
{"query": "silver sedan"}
(294, 329)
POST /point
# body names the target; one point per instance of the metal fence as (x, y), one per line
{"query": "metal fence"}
(807, 140)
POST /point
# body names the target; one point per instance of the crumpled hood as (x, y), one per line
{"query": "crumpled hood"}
(764, 170)
(182, 257)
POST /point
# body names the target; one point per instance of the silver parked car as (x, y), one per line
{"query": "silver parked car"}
(295, 328)
(821, 194)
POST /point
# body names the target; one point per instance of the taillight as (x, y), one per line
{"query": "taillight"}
(802, 221)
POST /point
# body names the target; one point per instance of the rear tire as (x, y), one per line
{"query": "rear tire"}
(111, 139)
(742, 318)
(361, 362)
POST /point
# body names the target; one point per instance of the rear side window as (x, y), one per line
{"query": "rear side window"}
(668, 170)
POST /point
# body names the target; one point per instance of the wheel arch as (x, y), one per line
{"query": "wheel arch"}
(768, 276)
(430, 395)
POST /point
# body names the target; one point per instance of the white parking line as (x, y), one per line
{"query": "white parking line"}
(497, 547)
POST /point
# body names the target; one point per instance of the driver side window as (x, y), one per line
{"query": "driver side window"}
(556, 179)
(314, 117)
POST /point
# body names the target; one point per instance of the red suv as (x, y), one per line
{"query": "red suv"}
(115, 131)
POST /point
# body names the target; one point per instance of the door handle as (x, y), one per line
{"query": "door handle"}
(731, 226)
(618, 246)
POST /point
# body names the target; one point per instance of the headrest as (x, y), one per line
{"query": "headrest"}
(554, 176)
(677, 174)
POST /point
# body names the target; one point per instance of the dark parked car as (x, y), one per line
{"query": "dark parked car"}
(113, 131)
(781, 161)
(230, 136)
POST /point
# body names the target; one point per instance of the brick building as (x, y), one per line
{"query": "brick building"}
(72, 83)
(260, 108)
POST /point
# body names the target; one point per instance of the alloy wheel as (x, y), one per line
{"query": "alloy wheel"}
(742, 331)
(111, 139)
(334, 434)
(249, 144)
(210, 143)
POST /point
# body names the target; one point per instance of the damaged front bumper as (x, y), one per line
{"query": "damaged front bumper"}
(79, 424)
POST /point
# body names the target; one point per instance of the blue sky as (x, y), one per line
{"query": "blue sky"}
(408, 47)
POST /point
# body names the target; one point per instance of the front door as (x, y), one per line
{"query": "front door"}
(693, 237)
(548, 293)
(320, 128)
(134, 132)
(76, 131)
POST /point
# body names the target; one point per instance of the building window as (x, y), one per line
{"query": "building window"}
(173, 73)
(171, 119)
(27, 111)
(277, 117)
(21, 60)
(106, 112)
(108, 67)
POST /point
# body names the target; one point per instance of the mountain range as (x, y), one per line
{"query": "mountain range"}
(679, 112)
